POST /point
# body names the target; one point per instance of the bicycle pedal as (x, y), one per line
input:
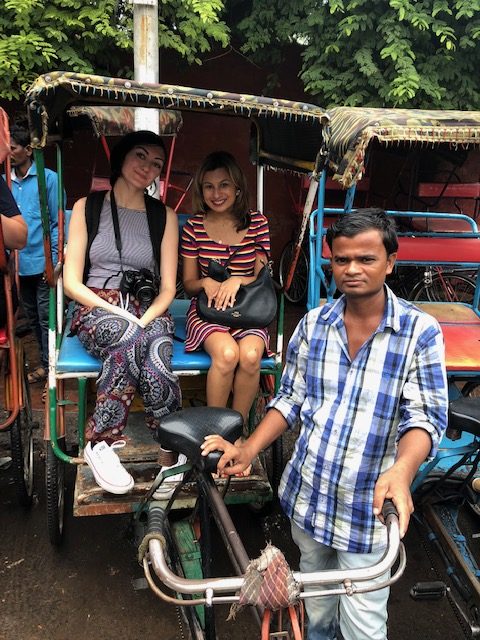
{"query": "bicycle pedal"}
(429, 590)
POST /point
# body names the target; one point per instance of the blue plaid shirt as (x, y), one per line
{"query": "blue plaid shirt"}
(353, 413)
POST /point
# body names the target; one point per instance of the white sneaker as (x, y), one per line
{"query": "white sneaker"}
(166, 489)
(106, 467)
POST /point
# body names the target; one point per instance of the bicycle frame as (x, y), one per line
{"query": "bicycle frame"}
(223, 590)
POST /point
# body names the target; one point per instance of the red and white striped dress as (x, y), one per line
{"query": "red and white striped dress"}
(197, 244)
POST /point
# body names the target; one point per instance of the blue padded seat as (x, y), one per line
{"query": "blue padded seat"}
(73, 358)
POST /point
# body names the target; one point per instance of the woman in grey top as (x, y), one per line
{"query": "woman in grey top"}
(130, 332)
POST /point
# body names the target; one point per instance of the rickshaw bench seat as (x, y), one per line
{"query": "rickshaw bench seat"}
(73, 358)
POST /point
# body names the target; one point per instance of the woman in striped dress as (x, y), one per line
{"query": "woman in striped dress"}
(224, 226)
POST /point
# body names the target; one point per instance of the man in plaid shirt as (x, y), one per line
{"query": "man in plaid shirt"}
(365, 376)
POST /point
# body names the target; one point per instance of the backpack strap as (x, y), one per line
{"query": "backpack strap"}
(156, 217)
(93, 208)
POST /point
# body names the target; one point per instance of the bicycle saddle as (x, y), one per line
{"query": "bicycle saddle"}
(185, 430)
(464, 415)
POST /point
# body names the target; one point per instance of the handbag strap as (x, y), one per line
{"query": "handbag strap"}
(255, 244)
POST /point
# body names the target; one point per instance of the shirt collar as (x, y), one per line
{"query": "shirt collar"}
(333, 314)
(32, 171)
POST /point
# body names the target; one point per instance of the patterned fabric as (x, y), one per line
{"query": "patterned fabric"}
(117, 121)
(353, 128)
(133, 359)
(293, 144)
(353, 413)
(198, 245)
(137, 253)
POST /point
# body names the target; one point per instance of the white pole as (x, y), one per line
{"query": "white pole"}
(145, 56)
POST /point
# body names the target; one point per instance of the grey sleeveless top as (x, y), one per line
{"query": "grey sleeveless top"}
(105, 269)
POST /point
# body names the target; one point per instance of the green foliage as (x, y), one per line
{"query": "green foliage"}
(412, 53)
(94, 36)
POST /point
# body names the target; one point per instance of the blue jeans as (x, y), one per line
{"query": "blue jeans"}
(362, 616)
(34, 293)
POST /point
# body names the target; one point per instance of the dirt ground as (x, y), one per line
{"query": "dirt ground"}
(92, 588)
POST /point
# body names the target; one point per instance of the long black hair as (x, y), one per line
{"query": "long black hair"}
(126, 144)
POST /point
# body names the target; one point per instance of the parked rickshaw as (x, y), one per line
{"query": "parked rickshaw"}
(16, 418)
(286, 136)
(439, 251)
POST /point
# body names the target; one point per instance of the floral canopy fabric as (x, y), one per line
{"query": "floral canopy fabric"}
(353, 128)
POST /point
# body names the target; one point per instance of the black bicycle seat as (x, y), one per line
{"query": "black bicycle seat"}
(184, 431)
(464, 415)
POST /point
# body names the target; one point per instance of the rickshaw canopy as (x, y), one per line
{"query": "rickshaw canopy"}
(288, 135)
(352, 129)
(117, 121)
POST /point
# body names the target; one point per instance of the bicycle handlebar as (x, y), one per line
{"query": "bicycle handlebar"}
(224, 589)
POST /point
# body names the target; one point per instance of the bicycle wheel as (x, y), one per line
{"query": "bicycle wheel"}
(445, 287)
(471, 389)
(55, 489)
(297, 292)
(272, 457)
(21, 437)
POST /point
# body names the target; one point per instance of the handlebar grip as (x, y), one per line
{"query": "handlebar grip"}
(156, 520)
(389, 509)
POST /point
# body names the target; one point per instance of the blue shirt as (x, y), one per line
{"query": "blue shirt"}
(25, 192)
(352, 414)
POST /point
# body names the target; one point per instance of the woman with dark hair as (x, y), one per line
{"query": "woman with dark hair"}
(224, 227)
(131, 333)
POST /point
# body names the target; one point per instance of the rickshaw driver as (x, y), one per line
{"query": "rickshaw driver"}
(365, 376)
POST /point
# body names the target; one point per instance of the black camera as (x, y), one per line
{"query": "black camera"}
(143, 285)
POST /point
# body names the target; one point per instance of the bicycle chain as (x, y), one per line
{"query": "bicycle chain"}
(450, 598)
(181, 623)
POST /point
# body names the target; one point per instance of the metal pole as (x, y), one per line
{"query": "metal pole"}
(145, 56)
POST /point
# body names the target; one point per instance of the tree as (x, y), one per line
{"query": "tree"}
(93, 36)
(393, 53)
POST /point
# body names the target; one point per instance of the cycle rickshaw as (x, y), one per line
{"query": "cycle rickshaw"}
(439, 242)
(285, 136)
(16, 419)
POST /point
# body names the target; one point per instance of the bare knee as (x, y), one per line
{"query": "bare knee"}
(250, 360)
(226, 359)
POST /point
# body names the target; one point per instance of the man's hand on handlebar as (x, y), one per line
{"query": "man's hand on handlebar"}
(235, 459)
(394, 486)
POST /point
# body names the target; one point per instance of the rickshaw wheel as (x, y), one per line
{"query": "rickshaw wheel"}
(272, 457)
(471, 389)
(21, 437)
(445, 287)
(297, 292)
(55, 489)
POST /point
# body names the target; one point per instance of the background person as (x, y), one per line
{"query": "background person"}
(34, 290)
(133, 338)
(365, 377)
(224, 224)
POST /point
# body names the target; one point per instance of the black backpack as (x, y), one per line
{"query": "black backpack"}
(156, 216)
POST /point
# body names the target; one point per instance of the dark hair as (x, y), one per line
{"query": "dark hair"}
(126, 144)
(223, 160)
(20, 134)
(361, 220)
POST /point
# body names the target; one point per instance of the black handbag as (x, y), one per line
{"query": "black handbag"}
(255, 303)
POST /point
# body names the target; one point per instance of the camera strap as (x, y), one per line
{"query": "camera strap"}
(116, 227)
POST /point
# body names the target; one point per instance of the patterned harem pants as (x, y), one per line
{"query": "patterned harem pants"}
(132, 358)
